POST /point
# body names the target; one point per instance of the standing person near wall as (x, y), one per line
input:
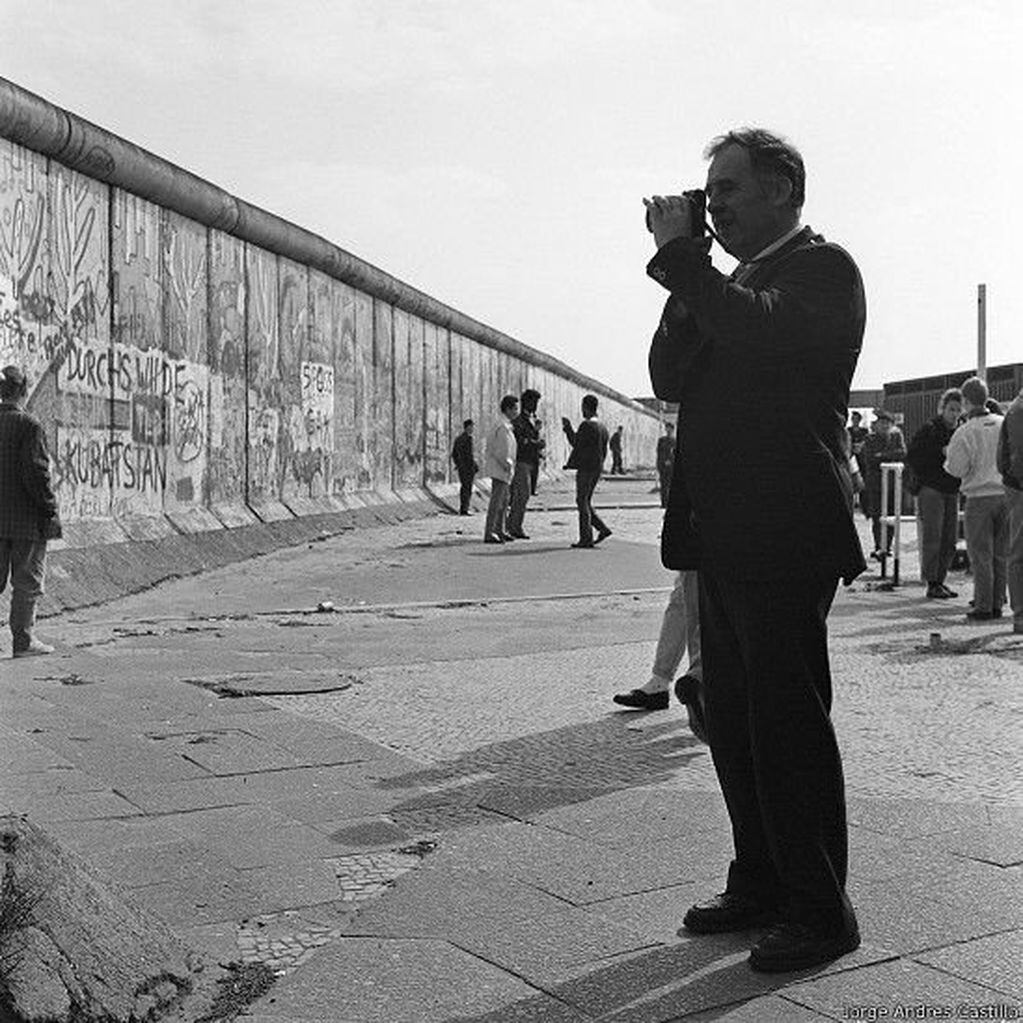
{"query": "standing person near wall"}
(761, 504)
(1010, 464)
(973, 457)
(589, 449)
(937, 497)
(466, 465)
(884, 444)
(527, 460)
(665, 461)
(499, 465)
(28, 511)
(615, 444)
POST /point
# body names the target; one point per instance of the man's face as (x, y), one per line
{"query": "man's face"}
(883, 426)
(951, 411)
(747, 217)
(469, 429)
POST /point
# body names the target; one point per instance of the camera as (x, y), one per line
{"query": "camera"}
(697, 198)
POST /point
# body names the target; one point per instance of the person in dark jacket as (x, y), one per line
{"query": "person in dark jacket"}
(529, 445)
(615, 444)
(884, 444)
(589, 449)
(28, 511)
(761, 505)
(937, 498)
(665, 461)
(465, 464)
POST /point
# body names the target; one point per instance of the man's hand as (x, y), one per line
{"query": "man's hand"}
(669, 217)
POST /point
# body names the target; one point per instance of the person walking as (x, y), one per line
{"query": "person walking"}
(589, 449)
(937, 497)
(761, 364)
(972, 456)
(499, 465)
(529, 445)
(665, 461)
(1010, 464)
(28, 511)
(465, 464)
(615, 444)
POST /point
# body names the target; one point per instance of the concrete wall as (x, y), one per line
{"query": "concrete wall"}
(197, 360)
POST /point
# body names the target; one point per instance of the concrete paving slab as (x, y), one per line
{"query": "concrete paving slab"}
(80, 806)
(184, 904)
(892, 985)
(996, 962)
(904, 920)
(224, 750)
(375, 980)
(987, 843)
(657, 913)
(914, 818)
(255, 836)
(766, 1009)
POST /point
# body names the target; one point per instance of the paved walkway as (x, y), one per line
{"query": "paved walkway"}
(419, 804)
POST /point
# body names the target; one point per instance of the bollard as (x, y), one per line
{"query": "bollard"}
(935, 640)
(892, 522)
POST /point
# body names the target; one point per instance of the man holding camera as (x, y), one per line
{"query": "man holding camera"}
(764, 512)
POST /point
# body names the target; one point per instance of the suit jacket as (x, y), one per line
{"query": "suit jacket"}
(762, 370)
(589, 446)
(462, 455)
(28, 509)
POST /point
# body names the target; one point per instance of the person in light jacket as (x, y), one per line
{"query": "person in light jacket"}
(972, 457)
(499, 465)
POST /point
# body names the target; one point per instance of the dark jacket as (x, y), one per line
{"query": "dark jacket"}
(926, 456)
(28, 509)
(875, 451)
(589, 445)
(527, 437)
(760, 503)
(665, 453)
(462, 455)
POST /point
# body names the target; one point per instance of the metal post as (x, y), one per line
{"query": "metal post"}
(884, 520)
(981, 330)
(896, 546)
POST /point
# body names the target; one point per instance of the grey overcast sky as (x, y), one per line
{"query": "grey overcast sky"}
(493, 153)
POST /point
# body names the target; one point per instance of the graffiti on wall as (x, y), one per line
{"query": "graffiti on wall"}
(312, 433)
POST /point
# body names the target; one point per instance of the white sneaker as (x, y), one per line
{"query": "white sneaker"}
(35, 648)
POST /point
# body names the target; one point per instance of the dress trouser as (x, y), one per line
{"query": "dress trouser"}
(585, 484)
(24, 561)
(777, 760)
(1014, 561)
(680, 630)
(497, 509)
(664, 485)
(521, 487)
(986, 522)
(465, 490)
(938, 517)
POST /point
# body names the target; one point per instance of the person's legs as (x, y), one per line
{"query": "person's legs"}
(980, 546)
(465, 492)
(664, 487)
(999, 551)
(584, 483)
(1014, 557)
(930, 514)
(519, 497)
(949, 530)
(495, 519)
(27, 570)
(671, 640)
(595, 519)
(691, 590)
(502, 509)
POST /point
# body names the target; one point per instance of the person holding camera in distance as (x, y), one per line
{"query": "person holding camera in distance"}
(763, 511)
(589, 449)
(28, 511)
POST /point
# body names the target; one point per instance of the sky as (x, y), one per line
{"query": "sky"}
(494, 153)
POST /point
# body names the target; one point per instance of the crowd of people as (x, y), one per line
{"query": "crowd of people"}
(969, 456)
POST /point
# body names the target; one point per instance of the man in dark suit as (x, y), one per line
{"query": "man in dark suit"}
(761, 504)
(589, 449)
(466, 465)
(28, 511)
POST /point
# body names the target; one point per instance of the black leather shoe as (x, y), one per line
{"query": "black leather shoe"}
(637, 699)
(984, 616)
(728, 912)
(797, 946)
(687, 691)
(584, 545)
(602, 535)
(493, 538)
(517, 536)
(935, 591)
(948, 592)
